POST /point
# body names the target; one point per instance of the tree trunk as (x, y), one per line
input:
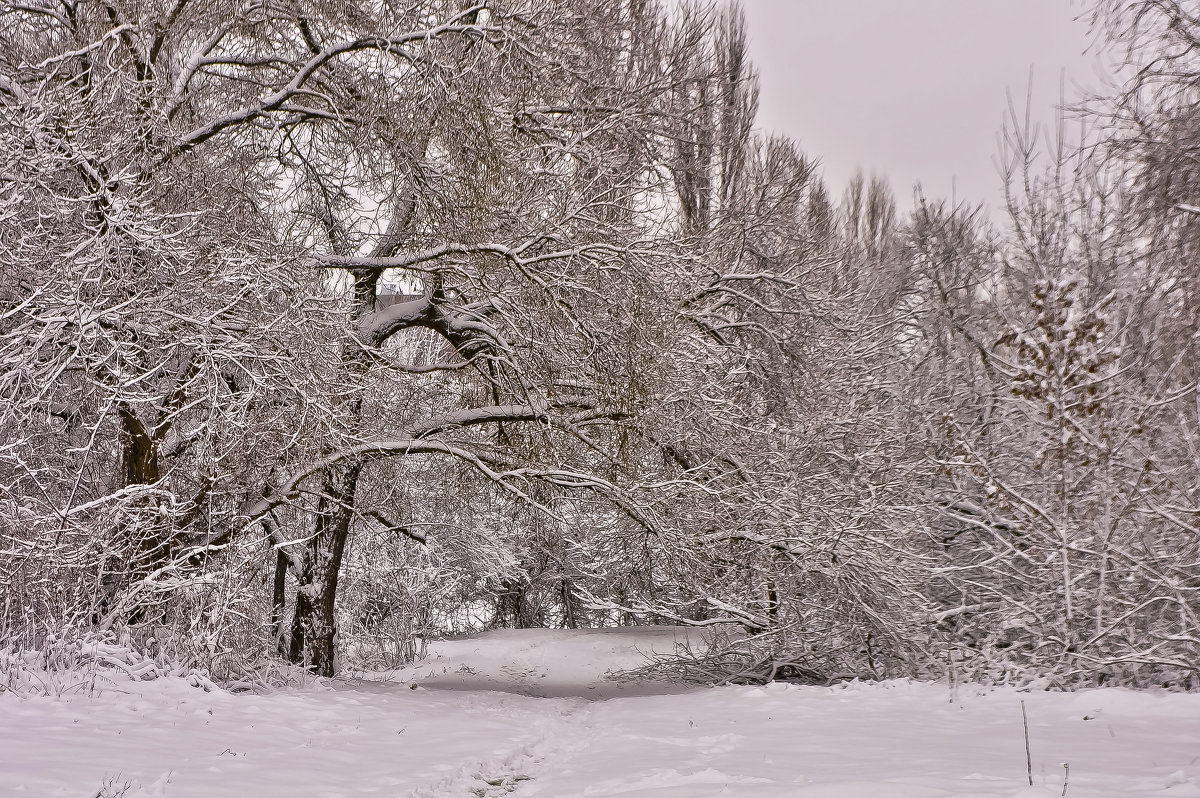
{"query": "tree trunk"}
(139, 452)
(314, 623)
(149, 537)
(570, 614)
(278, 600)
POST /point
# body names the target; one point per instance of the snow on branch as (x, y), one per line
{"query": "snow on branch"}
(515, 254)
(466, 332)
(481, 415)
(396, 45)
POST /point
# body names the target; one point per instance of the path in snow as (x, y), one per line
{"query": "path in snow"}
(529, 713)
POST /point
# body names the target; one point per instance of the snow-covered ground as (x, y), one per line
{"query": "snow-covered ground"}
(530, 713)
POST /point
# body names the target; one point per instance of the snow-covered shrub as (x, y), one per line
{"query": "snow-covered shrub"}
(85, 662)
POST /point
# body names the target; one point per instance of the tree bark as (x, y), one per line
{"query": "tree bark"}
(278, 601)
(314, 623)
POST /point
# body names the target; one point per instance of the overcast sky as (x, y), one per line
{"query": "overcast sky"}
(913, 89)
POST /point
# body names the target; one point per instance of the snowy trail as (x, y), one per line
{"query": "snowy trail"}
(527, 714)
(363, 740)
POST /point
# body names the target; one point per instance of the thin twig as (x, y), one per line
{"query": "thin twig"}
(1028, 758)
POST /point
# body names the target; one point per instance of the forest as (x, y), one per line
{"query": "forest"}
(332, 327)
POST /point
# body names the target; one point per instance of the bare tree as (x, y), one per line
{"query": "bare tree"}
(1055, 542)
(234, 189)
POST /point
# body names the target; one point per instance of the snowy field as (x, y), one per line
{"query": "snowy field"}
(531, 713)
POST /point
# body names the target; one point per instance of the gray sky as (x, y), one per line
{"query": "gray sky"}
(913, 89)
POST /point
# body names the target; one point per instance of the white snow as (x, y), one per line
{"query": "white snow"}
(530, 713)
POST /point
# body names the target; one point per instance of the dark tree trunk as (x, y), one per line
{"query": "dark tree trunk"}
(150, 538)
(570, 616)
(314, 624)
(139, 452)
(313, 641)
(278, 600)
(154, 539)
(772, 603)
